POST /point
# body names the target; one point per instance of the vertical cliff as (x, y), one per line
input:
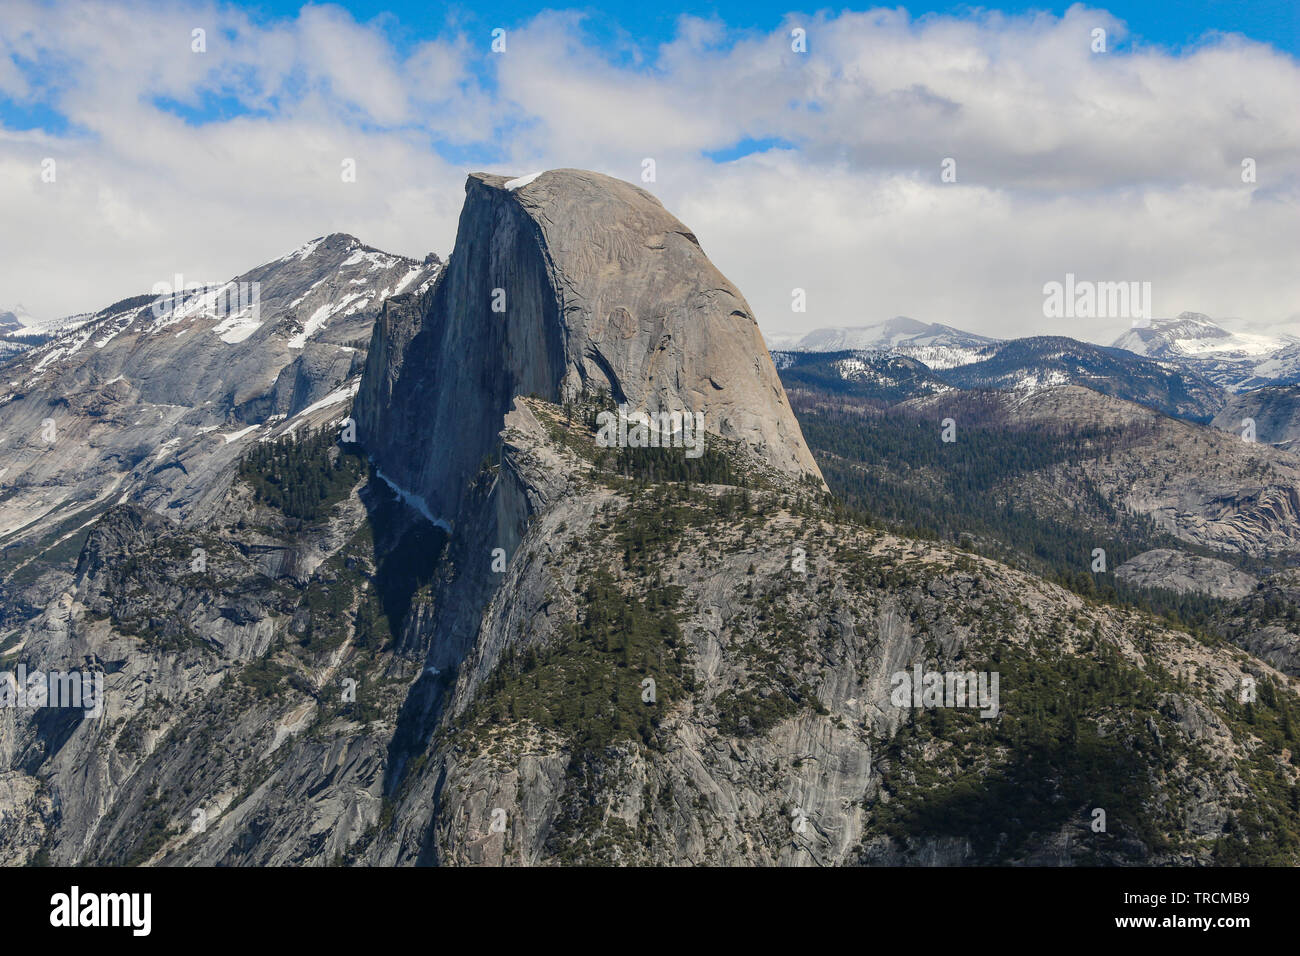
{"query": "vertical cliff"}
(562, 283)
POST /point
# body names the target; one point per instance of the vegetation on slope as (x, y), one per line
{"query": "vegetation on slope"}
(894, 469)
(303, 477)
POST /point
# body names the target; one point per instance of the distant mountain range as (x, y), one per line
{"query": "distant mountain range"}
(860, 374)
(934, 345)
(1234, 360)
(1043, 361)
(14, 320)
(1021, 365)
(1187, 367)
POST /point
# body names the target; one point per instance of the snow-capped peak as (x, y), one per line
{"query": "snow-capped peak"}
(333, 240)
(1192, 333)
(16, 316)
(935, 345)
(1230, 358)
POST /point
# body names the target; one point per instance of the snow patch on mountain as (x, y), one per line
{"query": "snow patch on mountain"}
(414, 501)
(346, 306)
(333, 398)
(235, 436)
(932, 344)
(238, 327)
(1038, 381)
(522, 181)
(377, 260)
(939, 357)
(1234, 360)
(405, 280)
(858, 369)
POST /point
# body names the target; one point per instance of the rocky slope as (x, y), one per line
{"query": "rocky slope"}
(1267, 622)
(773, 702)
(1199, 485)
(225, 736)
(1188, 573)
(1106, 496)
(153, 398)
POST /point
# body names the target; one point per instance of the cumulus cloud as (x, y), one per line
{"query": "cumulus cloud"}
(1115, 166)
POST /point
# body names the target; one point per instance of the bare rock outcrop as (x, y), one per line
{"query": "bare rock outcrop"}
(1186, 573)
(564, 283)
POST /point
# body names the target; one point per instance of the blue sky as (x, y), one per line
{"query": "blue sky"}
(610, 30)
(816, 170)
(1171, 24)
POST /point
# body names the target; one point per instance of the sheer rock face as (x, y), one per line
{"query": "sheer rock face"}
(601, 288)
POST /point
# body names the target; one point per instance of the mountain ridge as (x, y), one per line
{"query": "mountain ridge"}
(1237, 361)
(150, 398)
(608, 654)
(1191, 341)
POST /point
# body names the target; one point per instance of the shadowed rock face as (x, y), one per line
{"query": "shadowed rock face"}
(602, 288)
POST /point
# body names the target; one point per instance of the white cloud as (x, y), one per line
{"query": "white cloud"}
(1123, 165)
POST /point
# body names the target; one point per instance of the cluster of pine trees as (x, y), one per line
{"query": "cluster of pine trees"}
(302, 477)
(592, 684)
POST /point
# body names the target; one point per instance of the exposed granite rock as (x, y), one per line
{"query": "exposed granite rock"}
(709, 791)
(1187, 573)
(595, 286)
(1275, 411)
(1267, 622)
(153, 400)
